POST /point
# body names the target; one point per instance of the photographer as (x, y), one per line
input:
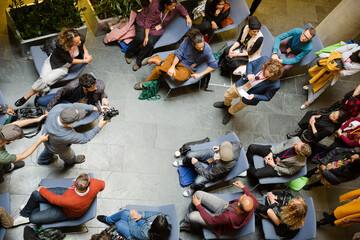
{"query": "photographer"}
(61, 133)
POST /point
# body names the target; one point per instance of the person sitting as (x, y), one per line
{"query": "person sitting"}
(66, 203)
(344, 215)
(87, 89)
(216, 16)
(183, 63)
(296, 44)
(260, 83)
(10, 133)
(224, 217)
(284, 159)
(142, 225)
(246, 49)
(288, 218)
(70, 49)
(221, 161)
(338, 166)
(150, 24)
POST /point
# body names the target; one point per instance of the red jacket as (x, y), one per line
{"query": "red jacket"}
(229, 220)
(73, 204)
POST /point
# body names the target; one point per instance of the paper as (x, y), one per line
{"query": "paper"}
(244, 94)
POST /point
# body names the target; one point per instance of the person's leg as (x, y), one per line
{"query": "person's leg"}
(230, 95)
(44, 100)
(50, 215)
(254, 6)
(182, 73)
(289, 66)
(264, 172)
(146, 51)
(45, 157)
(255, 149)
(121, 215)
(237, 107)
(201, 155)
(199, 183)
(5, 219)
(123, 228)
(311, 172)
(159, 70)
(283, 46)
(68, 156)
(134, 45)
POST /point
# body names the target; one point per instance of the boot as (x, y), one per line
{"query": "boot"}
(296, 133)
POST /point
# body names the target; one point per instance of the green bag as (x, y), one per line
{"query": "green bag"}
(297, 184)
(330, 49)
(150, 90)
(50, 234)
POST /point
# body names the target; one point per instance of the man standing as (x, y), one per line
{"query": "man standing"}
(224, 217)
(61, 133)
(221, 160)
(296, 44)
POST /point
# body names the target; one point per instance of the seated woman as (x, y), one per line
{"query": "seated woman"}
(216, 16)
(350, 103)
(246, 49)
(70, 49)
(288, 218)
(146, 225)
(150, 25)
(338, 166)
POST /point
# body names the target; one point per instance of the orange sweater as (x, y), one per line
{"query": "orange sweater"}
(73, 204)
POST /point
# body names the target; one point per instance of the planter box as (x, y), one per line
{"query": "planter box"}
(24, 45)
(98, 26)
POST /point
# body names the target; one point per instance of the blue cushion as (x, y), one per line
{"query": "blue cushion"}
(308, 231)
(169, 210)
(5, 117)
(260, 163)
(241, 165)
(66, 183)
(5, 203)
(245, 230)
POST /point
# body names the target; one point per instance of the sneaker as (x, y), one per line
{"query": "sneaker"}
(220, 105)
(188, 192)
(243, 174)
(145, 61)
(15, 165)
(296, 133)
(306, 87)
(177, 154)
(102, 218)
(53, 159)
(80, 159)
(155, 60)
(178, 163)
(185, 226)
(21, 207)
(20, 102)
(136, 66)
(137, 86)
(128, 60)
(36, 104)
(305, 105)
(227, 118)
(20, 220)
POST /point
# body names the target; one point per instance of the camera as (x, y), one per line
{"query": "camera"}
(108, 114)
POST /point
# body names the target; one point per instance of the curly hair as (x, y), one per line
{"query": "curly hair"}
(66, 38)
(275, 68)
(87, 80)
(293, 215)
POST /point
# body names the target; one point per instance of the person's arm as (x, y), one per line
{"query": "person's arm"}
(331, 178)
(267, 96)
(345, 48)
(206, 71)
(58, 200)
(30, 150)
(287, 170)
(271, 214)
(86, 52)
(62, 94)
(223, 16)
(207, 11)
(146, 38)
(82, 138)
(256, 46)
(351, 220)
(296, 59)
(25, 122)
(240, 185)
(281, 37)
(171, 71)
(135, 229)
(339, 150)
(209, 173)
(348, 142)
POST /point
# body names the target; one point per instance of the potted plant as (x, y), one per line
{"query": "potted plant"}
(33, 23)
(100, 12)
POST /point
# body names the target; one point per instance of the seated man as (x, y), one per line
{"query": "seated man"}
(87, 89)
(225, 217)
(183, 64)
(260, 83)
(284, 159)
(221, 161)
(295, 43)
(67, 203)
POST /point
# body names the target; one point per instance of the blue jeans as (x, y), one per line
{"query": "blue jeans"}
(68, 156)
(44, 100)
(52, 214)
(120, 219)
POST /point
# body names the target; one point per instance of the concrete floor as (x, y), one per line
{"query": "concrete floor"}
(133, 153)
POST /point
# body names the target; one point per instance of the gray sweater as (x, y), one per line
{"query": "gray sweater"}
(61, 137)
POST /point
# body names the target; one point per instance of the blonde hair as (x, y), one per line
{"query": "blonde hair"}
(275, 68)
(294, 215)
(66, 38)
(305, 150)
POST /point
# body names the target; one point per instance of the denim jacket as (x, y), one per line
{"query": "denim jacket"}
(141, 232)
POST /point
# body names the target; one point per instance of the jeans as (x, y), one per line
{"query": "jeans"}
(44, 100)
(52, 214)
(120, 219)
(212, 203)
(67, 156)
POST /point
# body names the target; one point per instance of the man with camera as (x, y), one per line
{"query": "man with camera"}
(62, 134)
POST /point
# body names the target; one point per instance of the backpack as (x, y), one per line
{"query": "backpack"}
(150, 90)
(27, 113)
(50, 234)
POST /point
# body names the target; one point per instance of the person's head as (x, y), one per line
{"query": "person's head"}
(355, 56)
(104, 235)
(217, 5)
(196, 39)
(273, 69)
(69, 37)
(160, 229)
(87, 82)
(339, 116)
(9, 133)
(82, 182)
(303, 149)
(254, 26)
(245, 204)
(307, 34)
(168, 5)
(70, 115)
(226, 151)
(294, 213)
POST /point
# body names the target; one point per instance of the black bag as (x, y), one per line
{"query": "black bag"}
(50, 234)
(283, 199)
(49, 45)
(26, 113)
(186, 147)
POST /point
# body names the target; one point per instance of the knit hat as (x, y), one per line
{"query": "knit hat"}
(226, 152)
(11, 132)
(73, 114)
(254, 23)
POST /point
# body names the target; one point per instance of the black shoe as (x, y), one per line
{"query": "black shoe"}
(220, 105)
(307, 187)
(185, 226)
(15, 165)
(102, 218)
(296, 133)
(80, 159)
(36, 104)
(227, 118)
(20, 102)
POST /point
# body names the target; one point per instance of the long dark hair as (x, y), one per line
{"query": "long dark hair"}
(213, 4)
(195, 36)
(164, 3)
(160, 229)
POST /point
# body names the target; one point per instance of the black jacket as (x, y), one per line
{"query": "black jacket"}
(60, 57)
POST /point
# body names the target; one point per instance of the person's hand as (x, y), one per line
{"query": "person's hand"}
(214, 26)
(86, 54)
(193, 161)
(196, 201)
(251, 96)
(271, 163)
(271, 197)
(322, 167)
(39, 187)
(239, 184)
(44, 137)
(269, 157)
(102, 122)
(251, 77)
(313, 119)
(217, 12)
(346, 220)
(46, 112)
(171, 71)
(188, 21)
(216, 148)
(338, 133)
(88, 59)
(42, 117)
(10, 111)
(105, 102)
(135, 215)
(146, 40)
(196, 75)
(275, 57)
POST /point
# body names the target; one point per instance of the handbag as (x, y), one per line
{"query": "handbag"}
(187, 146)
(26, 113)
(150, 90)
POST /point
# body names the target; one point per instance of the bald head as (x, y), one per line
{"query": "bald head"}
(246, 203)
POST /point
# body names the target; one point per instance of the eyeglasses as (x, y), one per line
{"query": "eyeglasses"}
(306, 36)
